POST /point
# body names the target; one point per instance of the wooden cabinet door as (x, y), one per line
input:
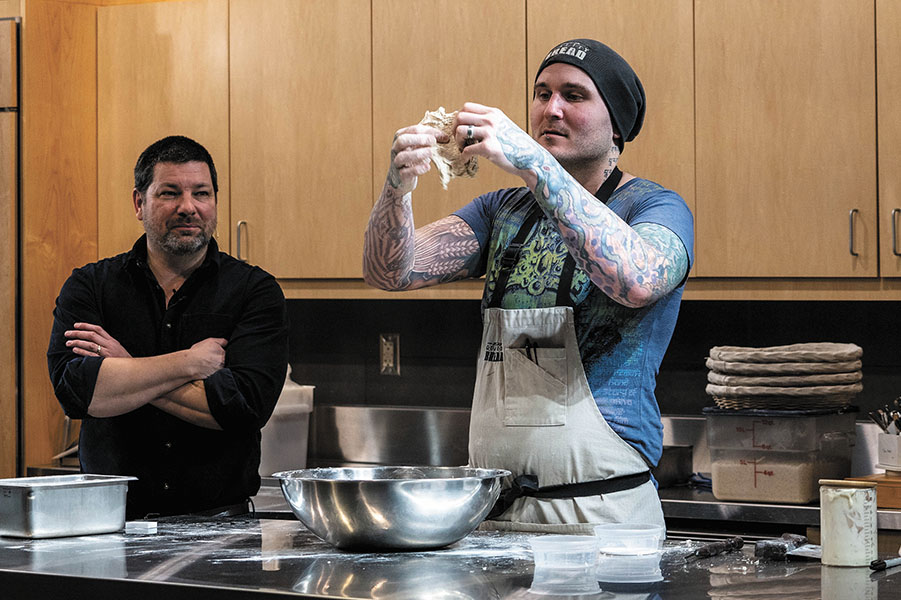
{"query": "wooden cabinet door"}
(301, 134)
(888, 77)
(9, 240)
(786, 138)
(656, 40)
(445, 53)
(162, 69)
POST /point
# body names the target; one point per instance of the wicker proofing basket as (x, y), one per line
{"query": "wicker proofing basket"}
(815, 352)
(783, 403)
(770, 397)
(781, 368)
(783, 381)
(794, 376)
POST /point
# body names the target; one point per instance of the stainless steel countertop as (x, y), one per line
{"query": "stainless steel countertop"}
(677, 502)
(244, 557)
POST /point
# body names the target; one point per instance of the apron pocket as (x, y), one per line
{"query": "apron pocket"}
(535, 392)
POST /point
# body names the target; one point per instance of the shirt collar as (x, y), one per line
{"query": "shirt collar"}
(137, 256)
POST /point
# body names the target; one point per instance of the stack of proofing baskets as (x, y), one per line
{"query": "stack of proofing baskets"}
(783, 419)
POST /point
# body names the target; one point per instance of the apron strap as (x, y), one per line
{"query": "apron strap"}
(511, 253)
(527, 485)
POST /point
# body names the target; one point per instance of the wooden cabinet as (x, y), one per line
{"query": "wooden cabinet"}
(301, 134)
(786, 138)
(162, 69)
(658, 45)
(445, 53)
(9, 240)
(59, 192)
(10, 8)
(888, 75)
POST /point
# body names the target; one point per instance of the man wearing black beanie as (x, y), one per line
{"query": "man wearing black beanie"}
(584, 269)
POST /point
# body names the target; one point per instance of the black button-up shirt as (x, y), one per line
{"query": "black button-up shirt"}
(180, 467)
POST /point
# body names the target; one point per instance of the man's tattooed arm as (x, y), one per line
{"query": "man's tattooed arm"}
(633, 266)
(397, 257)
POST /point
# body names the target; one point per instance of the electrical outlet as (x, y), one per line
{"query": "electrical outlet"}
(389, 353)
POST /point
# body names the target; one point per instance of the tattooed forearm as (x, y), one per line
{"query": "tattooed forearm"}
(633, 266)
(394, 181)
(388, 243)
(395, 257)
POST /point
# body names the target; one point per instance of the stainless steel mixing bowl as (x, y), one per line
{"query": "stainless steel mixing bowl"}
(391, 508)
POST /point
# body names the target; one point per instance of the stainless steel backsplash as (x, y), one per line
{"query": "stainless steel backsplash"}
(388, 436)
(366, 435)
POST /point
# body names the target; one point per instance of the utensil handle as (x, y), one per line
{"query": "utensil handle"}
(882, 565)
(715, 548)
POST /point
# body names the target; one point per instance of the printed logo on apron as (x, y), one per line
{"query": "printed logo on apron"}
(494, 352)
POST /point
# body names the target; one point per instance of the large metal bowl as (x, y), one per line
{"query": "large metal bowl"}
(391, 508)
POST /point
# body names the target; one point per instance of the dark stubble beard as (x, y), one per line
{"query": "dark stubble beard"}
(589, 161)
(177, 245)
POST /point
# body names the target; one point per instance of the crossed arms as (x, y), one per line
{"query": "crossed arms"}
(172, 382)
(215, 384)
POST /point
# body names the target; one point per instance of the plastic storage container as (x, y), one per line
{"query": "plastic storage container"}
(283, 446)
(565, 565)
(776, 455)
(629, 552)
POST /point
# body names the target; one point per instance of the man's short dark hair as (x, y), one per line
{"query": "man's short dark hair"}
(176, 149)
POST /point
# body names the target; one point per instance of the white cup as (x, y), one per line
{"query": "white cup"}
(848, 522)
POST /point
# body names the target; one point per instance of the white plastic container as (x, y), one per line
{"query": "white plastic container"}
(565, 565)
(629, 552)
(777, 455)
(283, 446)
(848, 522)
(779, 430)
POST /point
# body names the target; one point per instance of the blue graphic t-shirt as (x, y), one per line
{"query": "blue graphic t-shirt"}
(621, 347)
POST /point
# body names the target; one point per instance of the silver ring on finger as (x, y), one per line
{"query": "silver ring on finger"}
(469, 133)
(99, 348)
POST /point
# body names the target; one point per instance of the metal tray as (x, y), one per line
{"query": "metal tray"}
(62, 505)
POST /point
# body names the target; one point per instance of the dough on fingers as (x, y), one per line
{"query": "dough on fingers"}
(447, 157)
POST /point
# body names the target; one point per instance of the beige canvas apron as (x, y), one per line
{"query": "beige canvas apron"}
(534, 413)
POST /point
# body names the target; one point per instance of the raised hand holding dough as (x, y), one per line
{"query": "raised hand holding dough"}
(447, 157)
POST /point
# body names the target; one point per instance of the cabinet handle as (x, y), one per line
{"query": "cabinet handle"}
(851, 231)
(895, 211)
(242, 226)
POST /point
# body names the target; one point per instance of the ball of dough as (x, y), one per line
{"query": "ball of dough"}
(447, 157)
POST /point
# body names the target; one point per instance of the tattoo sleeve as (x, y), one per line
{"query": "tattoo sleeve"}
(633, 266)
(398, 257)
